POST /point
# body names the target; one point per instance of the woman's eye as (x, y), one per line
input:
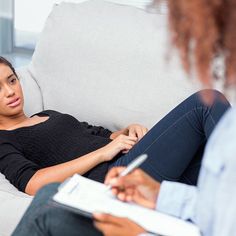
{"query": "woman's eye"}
(13, 81)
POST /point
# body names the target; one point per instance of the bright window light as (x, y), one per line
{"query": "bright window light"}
(30, 16)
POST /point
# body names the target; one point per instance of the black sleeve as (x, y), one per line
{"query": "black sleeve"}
(16, 168)
(96, 130)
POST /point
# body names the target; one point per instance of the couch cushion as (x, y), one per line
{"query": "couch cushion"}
(106, 63)
(12, 204)
(32, 96)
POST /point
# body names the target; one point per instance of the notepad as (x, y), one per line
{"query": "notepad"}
(85, 196)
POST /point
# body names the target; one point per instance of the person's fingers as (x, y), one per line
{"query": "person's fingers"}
(141, 200)
(129, 180)
(139, 133)
(113, 173)
(132, 132)
(121, 196)
(133, 179)
(129, 194)
(129, 198)
(144, 130)
(100, 226)
(124, 182)
(107, 218)
(128, 146)
(115, 191)
(124, 193)
(131, 138)
(125, 151)
(130, 142)
(129, 191)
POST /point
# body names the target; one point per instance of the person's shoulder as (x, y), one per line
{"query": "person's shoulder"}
(7, 137)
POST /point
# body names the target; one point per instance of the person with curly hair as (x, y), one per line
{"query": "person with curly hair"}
(203, 31)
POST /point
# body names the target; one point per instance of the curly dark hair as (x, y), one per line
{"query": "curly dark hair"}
(202, 30)
(7, 63)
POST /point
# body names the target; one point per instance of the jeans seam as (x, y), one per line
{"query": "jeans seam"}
(162, 175)
(170, 127)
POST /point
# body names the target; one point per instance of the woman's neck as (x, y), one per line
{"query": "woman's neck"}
(7, 122)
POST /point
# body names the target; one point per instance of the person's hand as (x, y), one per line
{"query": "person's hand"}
(116, 226)
(121, 143)
(133, 130)
(136, 130)
(135, 187)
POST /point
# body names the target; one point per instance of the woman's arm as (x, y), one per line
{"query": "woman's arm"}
(60, 172)
(80, 165)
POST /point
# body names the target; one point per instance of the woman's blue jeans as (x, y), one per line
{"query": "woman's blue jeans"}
(174, 145)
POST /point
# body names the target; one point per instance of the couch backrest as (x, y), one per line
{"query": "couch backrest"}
(106, 63)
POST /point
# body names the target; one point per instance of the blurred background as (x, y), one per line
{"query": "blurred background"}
(21, 22)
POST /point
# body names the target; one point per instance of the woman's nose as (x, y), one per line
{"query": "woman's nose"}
(9, 91)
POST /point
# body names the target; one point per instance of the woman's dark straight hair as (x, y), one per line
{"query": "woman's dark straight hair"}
(7, 63)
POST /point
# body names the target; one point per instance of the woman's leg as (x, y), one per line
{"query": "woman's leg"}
(175, 144)
(42, 219)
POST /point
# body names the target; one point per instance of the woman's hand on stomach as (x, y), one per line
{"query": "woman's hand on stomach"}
(122, 143)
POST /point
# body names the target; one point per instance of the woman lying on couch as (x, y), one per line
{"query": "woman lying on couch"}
(50, 146)
(210, 25)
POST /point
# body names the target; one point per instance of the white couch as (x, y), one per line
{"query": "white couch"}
(101, 62)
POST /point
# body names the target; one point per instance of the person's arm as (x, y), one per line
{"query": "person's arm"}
(29, 177)
(15, 167)
(80, 165)
(60, 172)
(225, 214)
(225, 195)
(178, 200)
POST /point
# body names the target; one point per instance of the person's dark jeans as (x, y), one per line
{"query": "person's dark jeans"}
(174, 145)
(44, 219)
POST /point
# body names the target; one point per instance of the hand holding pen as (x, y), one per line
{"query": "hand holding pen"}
(132, 165)
(137, 186)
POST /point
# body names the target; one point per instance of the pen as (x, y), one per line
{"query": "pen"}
(132, 165)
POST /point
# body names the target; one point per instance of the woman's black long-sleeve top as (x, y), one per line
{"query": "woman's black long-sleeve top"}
(60, 138)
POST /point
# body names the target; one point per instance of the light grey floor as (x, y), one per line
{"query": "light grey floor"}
(19, 59)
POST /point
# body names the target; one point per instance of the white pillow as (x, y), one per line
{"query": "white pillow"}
(13, 204)
(105, 63)
(136, 3)
(33, 102)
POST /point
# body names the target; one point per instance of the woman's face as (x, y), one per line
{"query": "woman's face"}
(11, 95)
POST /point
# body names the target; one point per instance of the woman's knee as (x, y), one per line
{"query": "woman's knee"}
(210, 97)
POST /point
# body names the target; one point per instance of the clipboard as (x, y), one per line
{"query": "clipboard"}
(83, 196)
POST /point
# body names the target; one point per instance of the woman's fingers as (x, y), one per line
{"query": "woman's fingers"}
(144, 130)
(137, 130)
(132, 132)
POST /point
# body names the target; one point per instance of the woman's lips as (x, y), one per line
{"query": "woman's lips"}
(16, 103)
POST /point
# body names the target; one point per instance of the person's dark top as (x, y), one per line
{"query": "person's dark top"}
(60, 138)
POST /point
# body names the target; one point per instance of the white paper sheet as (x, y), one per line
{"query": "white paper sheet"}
(90, 196)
